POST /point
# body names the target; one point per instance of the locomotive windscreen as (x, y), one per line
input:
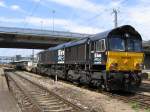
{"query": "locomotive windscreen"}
(134, 45)
(116, 43)
(125, 43)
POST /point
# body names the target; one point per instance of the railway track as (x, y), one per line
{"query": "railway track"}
(35, 98)
(142, 100)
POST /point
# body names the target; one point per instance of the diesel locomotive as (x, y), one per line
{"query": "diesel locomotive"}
(111, 60)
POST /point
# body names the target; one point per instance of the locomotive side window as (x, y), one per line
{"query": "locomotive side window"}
(100, 45)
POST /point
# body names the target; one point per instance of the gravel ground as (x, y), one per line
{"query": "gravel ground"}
(86, 98)
(145, 87)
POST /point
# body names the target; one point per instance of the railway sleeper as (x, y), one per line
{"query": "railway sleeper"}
(55, 106)
(50, 102)
(45, 97)
(68, 109)
(42, 100)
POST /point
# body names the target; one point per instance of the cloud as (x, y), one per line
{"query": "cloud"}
(66, 25)
(88, 5)
(137, 16)
(141, 21)
(116, 3)
(36, 0)
(15, 7)
(85, 5)
(2, 3)
(63, 23)
(11, 20)
(144, 1)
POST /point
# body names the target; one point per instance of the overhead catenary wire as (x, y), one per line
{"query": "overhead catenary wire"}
(92, 19)
(32, 13)
(26, 22)
(115, 11)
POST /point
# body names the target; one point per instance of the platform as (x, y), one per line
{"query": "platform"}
(7, 102)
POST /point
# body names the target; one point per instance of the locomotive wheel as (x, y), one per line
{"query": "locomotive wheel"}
(107, 87)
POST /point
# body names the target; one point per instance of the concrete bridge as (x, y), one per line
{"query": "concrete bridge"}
(34, 39)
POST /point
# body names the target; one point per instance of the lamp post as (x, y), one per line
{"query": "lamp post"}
(115, 18)
(53, 11)
(41, 25)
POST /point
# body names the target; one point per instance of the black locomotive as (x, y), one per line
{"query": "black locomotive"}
(111, 60)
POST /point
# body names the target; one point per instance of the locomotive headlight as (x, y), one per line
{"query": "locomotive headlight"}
(126, 35)
(139, 66)
(113, 66)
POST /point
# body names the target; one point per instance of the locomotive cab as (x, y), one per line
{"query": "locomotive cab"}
(124, 59)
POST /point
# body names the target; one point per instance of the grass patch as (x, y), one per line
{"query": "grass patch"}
(147, 110)
(135, 106)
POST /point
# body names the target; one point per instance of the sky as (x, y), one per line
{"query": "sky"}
(81, 16)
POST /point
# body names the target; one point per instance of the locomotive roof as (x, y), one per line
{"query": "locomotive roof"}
(122, 29)
(58, 46)
(106, 34)
(74, 43)
(69, 44)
